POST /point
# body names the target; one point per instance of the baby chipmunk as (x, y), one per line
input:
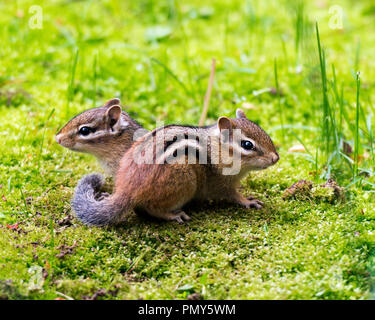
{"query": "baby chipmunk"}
(105, 132)
(158, 175)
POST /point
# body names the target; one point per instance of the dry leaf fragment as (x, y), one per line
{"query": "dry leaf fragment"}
(297, 148)
(248, 105)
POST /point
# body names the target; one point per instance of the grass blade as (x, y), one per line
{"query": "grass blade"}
(279, 99)
(356, 142)
(70, 90)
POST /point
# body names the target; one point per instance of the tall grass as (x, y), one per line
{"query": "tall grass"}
(299, 27)
(252, 22)
(326, 108)
(226, 31)
(371, 140)
(94, 78)
(356, 141)
(336, 150)
(172, 75)
(70, 90)
(279, 100)
(51, 259)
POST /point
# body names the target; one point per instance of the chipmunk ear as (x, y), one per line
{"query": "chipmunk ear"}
(112, 116)
(240, 114)
(224, 123)
(112, 102)
(225, 126)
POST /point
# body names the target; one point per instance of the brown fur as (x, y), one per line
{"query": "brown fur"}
(163, 189)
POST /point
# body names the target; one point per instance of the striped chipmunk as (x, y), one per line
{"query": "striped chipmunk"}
(105, 132)
(172, 165)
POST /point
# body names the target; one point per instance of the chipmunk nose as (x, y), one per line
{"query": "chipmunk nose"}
(58, 139)
(275, 157)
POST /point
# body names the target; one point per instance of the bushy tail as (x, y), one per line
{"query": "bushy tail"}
(92, 211)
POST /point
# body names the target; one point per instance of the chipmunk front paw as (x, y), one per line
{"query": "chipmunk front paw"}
(179, 216)
(254, 203)
(247, 203)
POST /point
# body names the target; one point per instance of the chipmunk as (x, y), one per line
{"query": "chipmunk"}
(105, 132)
(162, 187)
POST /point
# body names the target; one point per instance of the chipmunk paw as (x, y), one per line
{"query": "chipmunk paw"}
(180, 216)
(254, 203)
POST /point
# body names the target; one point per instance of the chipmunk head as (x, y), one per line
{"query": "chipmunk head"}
(96, 130)
(250, 141)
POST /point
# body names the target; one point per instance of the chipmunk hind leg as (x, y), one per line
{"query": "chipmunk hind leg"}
(177, 215)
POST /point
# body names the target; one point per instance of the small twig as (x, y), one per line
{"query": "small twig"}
(208, 94)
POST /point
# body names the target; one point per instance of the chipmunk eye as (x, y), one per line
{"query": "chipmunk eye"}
(85, 131)
(247, 145)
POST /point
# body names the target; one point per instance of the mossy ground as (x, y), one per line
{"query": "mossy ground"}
(156, 56)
